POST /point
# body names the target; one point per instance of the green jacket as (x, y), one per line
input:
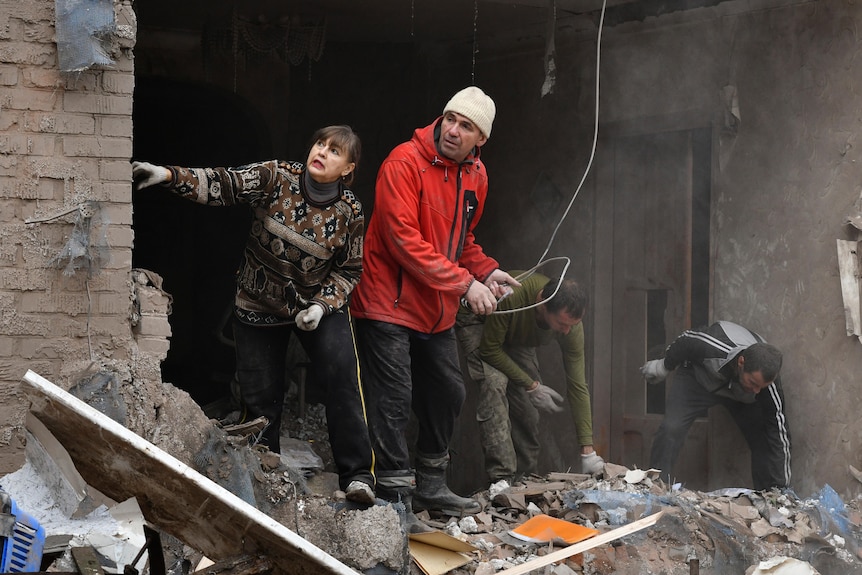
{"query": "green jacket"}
(520, 329)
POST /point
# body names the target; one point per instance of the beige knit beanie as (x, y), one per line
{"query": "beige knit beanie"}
(475, 105)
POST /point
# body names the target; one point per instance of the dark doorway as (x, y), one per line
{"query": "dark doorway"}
(195, 248)
(661, 279)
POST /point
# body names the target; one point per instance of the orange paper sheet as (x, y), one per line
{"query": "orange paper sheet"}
(544, 528)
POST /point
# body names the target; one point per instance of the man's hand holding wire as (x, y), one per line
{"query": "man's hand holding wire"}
(480, 299)
(500, 283)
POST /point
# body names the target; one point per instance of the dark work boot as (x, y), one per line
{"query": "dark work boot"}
(432, 491)
(399, 489)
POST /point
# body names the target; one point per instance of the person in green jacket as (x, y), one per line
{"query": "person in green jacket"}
(500, 352)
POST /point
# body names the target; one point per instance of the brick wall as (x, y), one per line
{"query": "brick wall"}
(65, 144)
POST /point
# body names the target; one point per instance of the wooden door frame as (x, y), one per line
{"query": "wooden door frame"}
(606, 417)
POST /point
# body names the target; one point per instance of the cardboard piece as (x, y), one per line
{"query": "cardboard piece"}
(437, 553)
(544, 529)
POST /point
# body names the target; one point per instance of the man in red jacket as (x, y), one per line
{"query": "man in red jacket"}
(420, 261)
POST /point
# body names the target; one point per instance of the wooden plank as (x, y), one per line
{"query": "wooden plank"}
(848, 269)
(584, 546)
(171, 495)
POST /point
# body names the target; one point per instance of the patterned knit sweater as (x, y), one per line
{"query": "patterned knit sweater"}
(297, 252)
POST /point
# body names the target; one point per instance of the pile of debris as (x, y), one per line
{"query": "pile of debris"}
(278, 517)
(726, 531)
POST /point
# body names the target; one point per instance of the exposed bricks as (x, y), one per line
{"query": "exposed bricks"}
(97, 104)
(65, 139)
(116, 83)
(114, 126)
(8, 75)
(97, 147)
(153, 325)
(60, 124)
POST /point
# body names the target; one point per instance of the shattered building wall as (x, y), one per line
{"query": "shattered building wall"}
(65, 143)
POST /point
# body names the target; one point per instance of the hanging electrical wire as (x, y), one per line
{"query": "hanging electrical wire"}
(542, 261)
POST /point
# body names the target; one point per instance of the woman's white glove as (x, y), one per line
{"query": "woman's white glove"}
(544, 398)
(146, 174)
(309, 318)
(654, 371)
(592, 463)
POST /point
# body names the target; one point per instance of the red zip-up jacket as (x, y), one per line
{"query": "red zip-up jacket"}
(420, 255)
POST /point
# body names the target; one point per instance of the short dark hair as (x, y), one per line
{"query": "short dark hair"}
(764, 358)
(345, 138)
(571, 297)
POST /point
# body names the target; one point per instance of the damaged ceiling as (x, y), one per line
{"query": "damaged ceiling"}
(396, 21)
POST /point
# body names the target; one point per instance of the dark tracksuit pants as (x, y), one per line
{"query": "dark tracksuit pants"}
(687, 399)
(403, 370)
(261, 372)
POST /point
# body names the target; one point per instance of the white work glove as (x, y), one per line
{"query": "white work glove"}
(592, 463)
(146, 174)
(309, 318)
(654, 371)
(544, 398)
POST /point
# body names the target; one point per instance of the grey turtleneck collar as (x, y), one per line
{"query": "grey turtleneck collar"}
(321, 193)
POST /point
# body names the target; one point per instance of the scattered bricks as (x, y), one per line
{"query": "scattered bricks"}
(576, 562)
(652, 554)
(157, 346)
(598, 559)
(677, 554)
(153, 325)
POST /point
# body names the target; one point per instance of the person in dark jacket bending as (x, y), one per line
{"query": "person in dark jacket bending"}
(724, 364)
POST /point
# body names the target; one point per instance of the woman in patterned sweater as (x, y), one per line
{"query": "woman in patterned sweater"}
(302, 259)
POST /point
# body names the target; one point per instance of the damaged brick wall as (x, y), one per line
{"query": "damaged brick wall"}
(65, 208)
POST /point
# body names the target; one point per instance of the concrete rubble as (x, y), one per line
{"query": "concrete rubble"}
(724, 531)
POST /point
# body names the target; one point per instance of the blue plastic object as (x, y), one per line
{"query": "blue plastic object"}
(22, 536)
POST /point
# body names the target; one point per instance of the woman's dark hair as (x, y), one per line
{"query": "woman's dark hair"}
(341, 136)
